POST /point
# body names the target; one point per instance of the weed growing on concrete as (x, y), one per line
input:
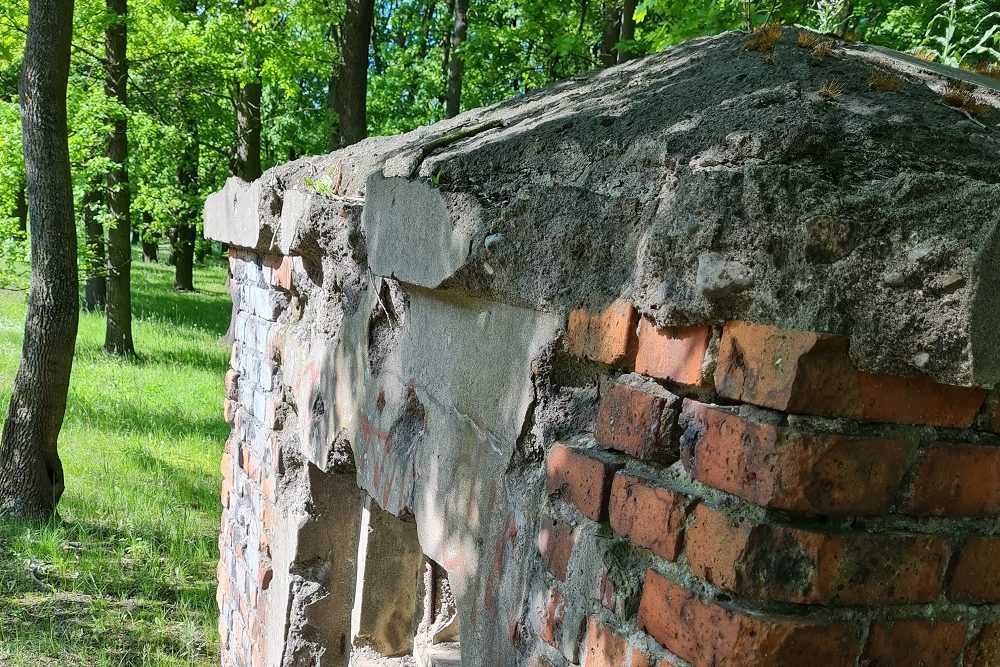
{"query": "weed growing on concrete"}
(763, 38)
(960, 95)
(831, 90)
(823, 49)
(884, 81)
(807, 39)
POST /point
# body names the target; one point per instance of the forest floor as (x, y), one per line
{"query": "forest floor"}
(126, 576)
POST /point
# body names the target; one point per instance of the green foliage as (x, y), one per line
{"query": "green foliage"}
(127, 576)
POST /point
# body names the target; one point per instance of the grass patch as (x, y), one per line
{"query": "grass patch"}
(127, 575)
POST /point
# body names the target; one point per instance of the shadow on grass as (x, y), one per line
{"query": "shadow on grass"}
(127, 417)
(209, 356)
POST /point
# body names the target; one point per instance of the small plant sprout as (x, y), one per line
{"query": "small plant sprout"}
(884, 81)
(763, 38)
(851, 37)
(830, 91)
(960, 95)
(807, 39)
(925, 55)
(823, 49)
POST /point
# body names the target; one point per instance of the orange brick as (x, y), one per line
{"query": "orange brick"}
(768, 562)
(229, 410)
(650, 517)
(280, 271)
(956, 481)
(708, 635)
(774, 467)
(555, 544)
(579, 478)
(608, 337)
(812, 373)
(638, 420)
(975, 572)
(555, 614)
(984, 649)
(914, 643)
(674, 353)
(604, 648)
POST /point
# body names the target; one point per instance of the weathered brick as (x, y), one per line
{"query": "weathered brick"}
(956, 481)
(650, 517)
(786, 469)
(914, 643)
(577, 477)
(915, 400)
(278, 271)
(555, 544)
(231, 388)
(605, 648)
(674, 353)
(555, 614)
(812, 373)
(794, 371)
(707, 635)
(779, 563)
(229, 410)
(975, 572)
(608, 337)
(638, 419)
(984, 649)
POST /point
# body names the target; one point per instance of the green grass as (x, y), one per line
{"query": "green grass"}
(126, 576)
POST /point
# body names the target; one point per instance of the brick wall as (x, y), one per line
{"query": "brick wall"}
(251, 464)
(749, 497)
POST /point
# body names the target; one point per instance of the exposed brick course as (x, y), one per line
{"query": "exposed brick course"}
(674, 353)
(975, 571)
(914, 643)
(956, 481)
(777, 563)
(650, 517)
(707, 634)
(578, 477)
(607, 337)
(638, 420)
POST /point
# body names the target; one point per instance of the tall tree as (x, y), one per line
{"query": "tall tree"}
(31, 476)
(118, 334)
(95, 291)
(455, 67)
(628, 31)
(348, 92)
(184, 238)
(248, 101)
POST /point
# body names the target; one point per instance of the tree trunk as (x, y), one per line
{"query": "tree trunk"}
(150, 239)
(611, 33)
(184, 240)
(628, 30)
(454, 100)
(118, 334)
(248, 130)
(95, 292)
(348, 91)
(31, 476)
(21, 206)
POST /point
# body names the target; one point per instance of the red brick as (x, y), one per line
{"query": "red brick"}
(674, 353)
(984, 649)
(638, 421)
(578, 478)
(555, 544)
(794, 371)
(226, 468)
(785, 469)
(768, 562)
(650, 517)
(229, 410)
(604, 648)
(914, 643)
(913, 400)
(812, 373)
(555, 614)
(956, 481)
(708, 635)
(280, 271)
(608, 337)
(975, 572)
(231, 389)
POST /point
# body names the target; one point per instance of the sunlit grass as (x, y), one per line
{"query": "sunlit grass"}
(126, 577)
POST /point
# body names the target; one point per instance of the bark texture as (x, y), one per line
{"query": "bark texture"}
(184, 239)
(248, 129)
(95, 292)
(31, 476)
(455, 67)
(348, 91)
(118, 334)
